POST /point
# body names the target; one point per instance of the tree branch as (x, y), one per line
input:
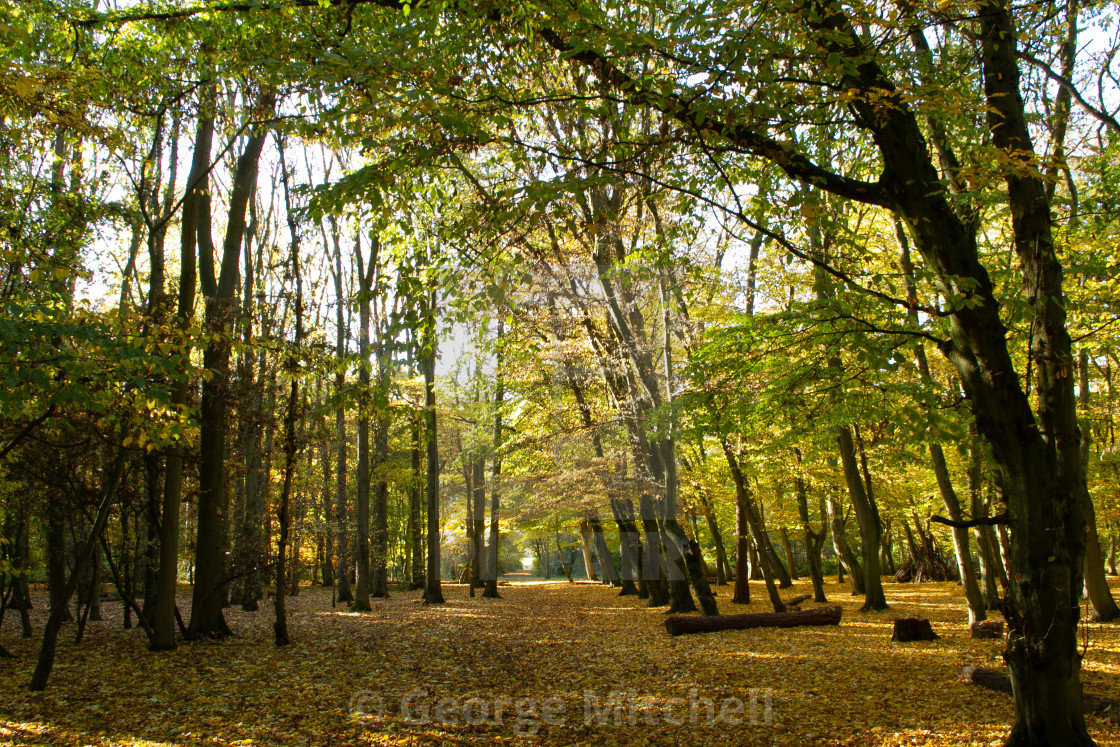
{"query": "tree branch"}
(987, 521)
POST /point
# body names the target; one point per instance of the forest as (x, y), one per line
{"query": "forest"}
(361, 352)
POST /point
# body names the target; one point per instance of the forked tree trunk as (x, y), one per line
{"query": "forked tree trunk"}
(814, 541)
(163, 617)
(219, 289)
(846, 559)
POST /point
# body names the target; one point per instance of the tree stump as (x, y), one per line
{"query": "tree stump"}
(907, 629)
(987, 629)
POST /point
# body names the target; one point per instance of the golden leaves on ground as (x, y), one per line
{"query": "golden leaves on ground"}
(548, 664)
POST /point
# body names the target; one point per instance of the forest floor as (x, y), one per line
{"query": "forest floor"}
(543, 665)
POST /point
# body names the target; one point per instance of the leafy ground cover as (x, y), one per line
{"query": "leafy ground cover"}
(550, 663)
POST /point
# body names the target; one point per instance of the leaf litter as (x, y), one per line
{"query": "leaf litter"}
(549, 664)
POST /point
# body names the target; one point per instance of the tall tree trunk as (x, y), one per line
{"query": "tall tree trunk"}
(972, 593)
(291, 417)
(219, 291)
(342, 528)
(1096, 585)
(652, 561)
(326, 535)
(163, 618)
(629, 546)
(478, 523)
(742, 550)
(433, 591)
(365, 293)
(491, 589)
(415, 503)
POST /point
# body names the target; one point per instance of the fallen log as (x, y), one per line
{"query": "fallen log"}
(683, 625)
(992, 679)
(794, 601)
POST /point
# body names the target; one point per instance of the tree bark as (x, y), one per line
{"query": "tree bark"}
(814, 541)
(219, 292)
(491, 589)
(607, 570)
(787, 548)
(342, 332)
(365, 297)
(585, 548)
(869, 525)
(433, 592)
(163, 618)
(84, 554)
(1096, 585)
(845, 556)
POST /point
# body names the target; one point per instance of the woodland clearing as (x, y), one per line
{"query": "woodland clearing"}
(568, 647)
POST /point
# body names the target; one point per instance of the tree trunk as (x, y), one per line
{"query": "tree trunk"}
(365, 297)
(83, 556)
(56, 558)
(283, 511)
(478, 521)
(868, 517)
(585, 547)
(787, 548)
(607, 570)
(742, 552)
(433, 592)
(717, 539)
(814, 541)
(341, 526)
(629, 546)
(1111, 560)
(491, 590)
(219, 291)
(993, 579)
(1096, 585)
(844, 554)
(652, 562)
(326, 544)
(415, 504)
(291, 417)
